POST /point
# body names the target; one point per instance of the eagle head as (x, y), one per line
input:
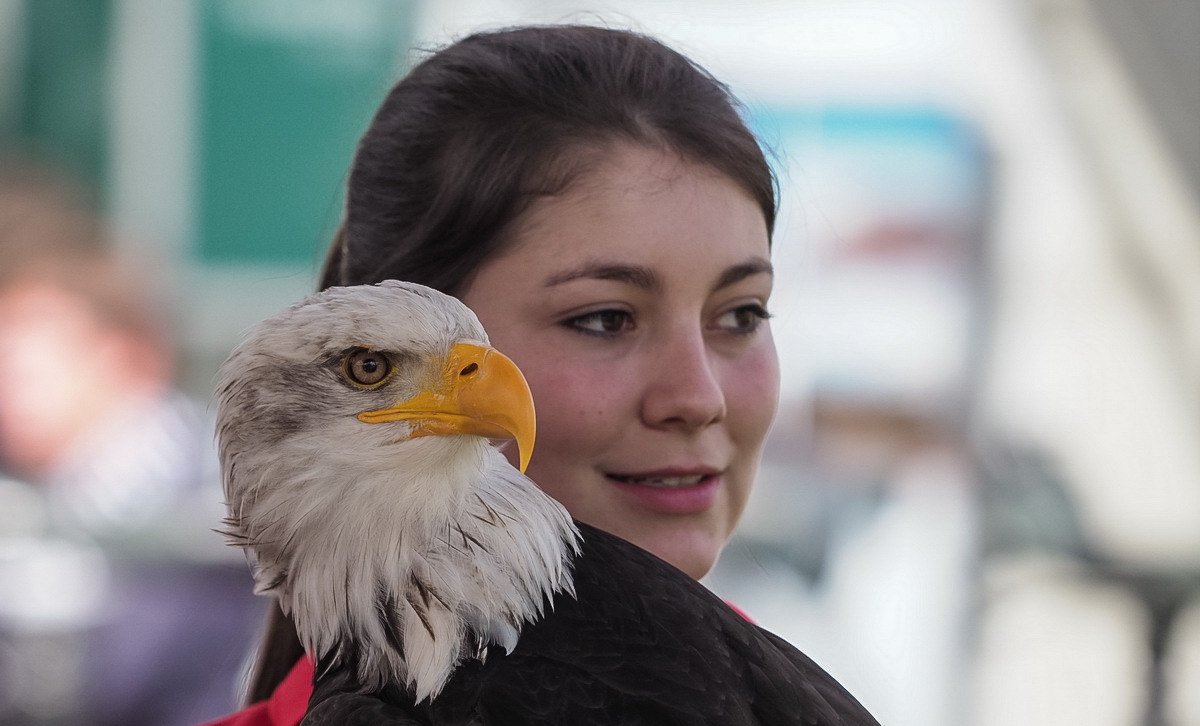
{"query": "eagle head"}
(354, 431)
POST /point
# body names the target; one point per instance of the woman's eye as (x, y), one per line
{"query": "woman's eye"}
(744, 319)
(602, 322)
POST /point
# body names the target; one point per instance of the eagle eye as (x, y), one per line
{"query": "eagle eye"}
(367, 368)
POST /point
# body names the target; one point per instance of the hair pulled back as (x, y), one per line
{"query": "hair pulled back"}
(474, 133)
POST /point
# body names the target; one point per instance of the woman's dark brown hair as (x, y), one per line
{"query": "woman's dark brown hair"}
(473, 134)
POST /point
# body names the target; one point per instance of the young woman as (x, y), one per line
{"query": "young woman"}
(597, 200)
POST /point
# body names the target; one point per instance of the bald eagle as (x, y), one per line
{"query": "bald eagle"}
(433, 583)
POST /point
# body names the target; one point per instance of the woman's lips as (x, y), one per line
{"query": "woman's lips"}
(670, 492)
(654, 480)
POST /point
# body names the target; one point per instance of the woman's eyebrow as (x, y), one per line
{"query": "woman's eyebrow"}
(737, 273)
(635, 275)
(646, 279)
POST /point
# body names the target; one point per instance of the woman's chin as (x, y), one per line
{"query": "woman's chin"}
(692, 549)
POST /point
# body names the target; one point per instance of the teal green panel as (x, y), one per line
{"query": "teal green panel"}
(62, 114)
(286, 89)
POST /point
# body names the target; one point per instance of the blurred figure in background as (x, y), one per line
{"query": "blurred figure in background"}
(120, 603)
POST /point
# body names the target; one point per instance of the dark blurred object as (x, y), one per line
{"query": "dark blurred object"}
(1027, 507)
(1025, 504)
(1157, 42)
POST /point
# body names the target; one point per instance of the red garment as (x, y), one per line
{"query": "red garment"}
(738, 610)
(285, 707)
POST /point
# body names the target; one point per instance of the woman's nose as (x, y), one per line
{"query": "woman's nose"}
(683, 389)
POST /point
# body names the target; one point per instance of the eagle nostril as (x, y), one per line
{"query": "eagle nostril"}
(469, 369)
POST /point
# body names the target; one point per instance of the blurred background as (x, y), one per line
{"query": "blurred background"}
(981, 502)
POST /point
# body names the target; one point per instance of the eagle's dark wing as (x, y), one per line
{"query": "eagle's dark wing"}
(642, 643)
(355, 709)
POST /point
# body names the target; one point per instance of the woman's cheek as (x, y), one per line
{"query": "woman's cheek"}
(578, 396)
(753, 391)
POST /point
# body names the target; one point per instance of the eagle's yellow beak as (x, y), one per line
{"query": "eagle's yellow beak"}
(478, 391)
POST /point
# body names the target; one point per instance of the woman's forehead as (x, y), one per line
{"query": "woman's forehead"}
(642, 203)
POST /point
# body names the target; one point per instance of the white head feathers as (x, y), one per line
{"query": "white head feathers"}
(396, 553)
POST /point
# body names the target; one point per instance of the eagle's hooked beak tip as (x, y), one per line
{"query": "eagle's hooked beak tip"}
(480, 391)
